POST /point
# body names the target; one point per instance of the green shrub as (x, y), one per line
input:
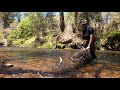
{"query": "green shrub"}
(24, 30)
(113, 41)
(18, 42)
(47, 45)
(1, 35)
(28, 42)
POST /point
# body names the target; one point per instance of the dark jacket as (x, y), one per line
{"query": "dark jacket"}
(87, 31)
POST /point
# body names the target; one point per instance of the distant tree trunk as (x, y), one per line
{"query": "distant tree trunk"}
(95, 27)
(101, 27)
(75, 21)
(62, 24)
(5, 19)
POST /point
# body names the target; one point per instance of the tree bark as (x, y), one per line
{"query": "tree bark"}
(75, 21)
(62, 24)
(5, 19)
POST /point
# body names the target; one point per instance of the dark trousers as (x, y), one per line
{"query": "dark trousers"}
(92, 49)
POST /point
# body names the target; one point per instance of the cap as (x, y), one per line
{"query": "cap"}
(84, 22)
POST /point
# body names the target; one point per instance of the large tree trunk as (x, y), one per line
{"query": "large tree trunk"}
(75, 21)
(62, 24)
(5, 18)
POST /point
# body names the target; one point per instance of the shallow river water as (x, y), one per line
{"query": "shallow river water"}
(45, 63)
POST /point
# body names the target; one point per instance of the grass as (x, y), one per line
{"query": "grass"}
(18, 42)
(1, 35)
(47, 45)
(27, 42)
(23, 42)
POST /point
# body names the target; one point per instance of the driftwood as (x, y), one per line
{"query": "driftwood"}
(4, 64)
(71, 41)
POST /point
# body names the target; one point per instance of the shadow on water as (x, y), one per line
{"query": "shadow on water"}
(65, 72)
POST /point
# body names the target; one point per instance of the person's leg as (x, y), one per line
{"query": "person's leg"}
(92, 51)
(88, 58)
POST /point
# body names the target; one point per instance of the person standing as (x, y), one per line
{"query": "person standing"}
(88, 36)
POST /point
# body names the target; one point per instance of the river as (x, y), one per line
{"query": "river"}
(45, 63)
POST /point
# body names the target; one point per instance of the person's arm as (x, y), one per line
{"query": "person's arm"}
(91, 32)
(90, 41)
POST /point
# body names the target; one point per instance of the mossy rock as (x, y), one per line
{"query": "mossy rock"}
(113, 41)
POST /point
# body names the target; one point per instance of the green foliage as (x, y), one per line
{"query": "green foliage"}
(51, 22)
(1, 35)
(38, 23)
(98, 44)
(7, 18)
(28, 42)
(12, 35)
(113, 41)
(47, 45)
(23, 30)
(113, 26)
(69, 18)
(46, 26)
(18, 42)
(114, 36)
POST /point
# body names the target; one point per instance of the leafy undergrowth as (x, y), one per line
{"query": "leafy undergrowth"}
(112, 41)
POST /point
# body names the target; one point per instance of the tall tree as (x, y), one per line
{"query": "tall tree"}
(7, 18)
(96, 17)
(62, 23)
(76, 21)
(51, 21)
(38, 23)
